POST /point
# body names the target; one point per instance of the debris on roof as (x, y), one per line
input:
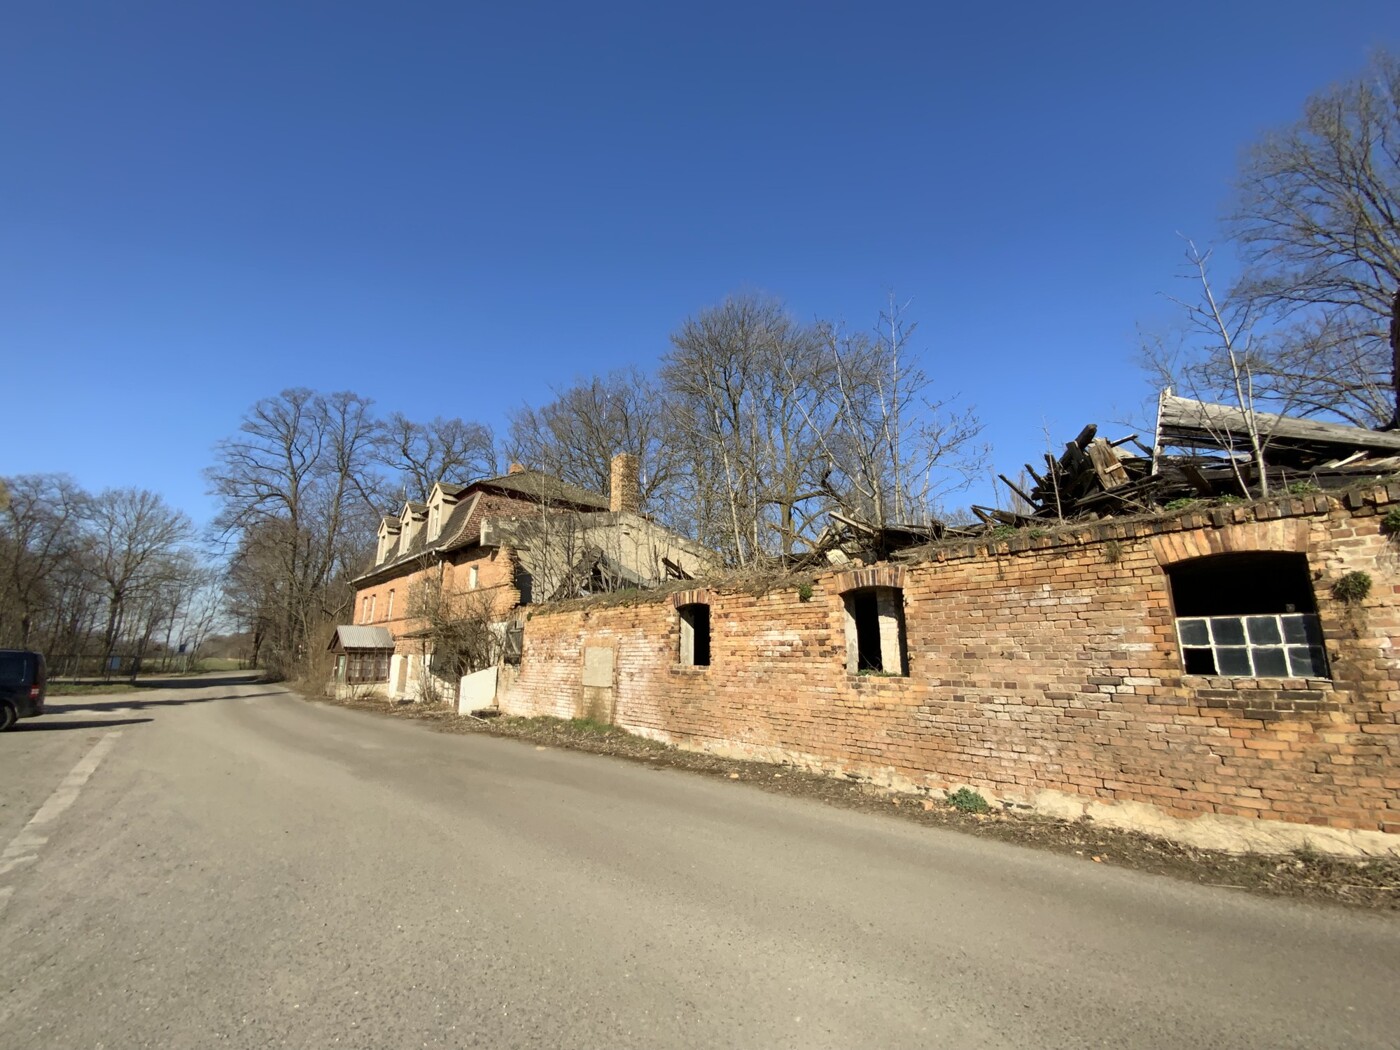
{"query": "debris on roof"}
(1096, 477)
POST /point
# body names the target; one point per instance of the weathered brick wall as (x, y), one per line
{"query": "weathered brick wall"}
(495, 574)
(1043, 672)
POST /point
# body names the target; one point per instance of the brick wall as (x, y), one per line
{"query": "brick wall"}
(495, 568)
(1042, 672)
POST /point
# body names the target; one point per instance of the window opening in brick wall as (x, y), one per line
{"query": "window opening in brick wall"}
(389, 612)
(875, 641)
(1247, 616)
(525, 584)
(513, 645)
(695, 634)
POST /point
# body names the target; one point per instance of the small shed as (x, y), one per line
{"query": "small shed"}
(362, 654)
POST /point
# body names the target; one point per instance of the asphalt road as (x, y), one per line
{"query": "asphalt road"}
(232, 866)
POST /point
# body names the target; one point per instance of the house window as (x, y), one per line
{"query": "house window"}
(472, 578)
(1247, 616)
(366, 665)
(695, 634)
(525, 584)
(389, 612)
(875, 641)
(373, 598)
(364, 609)
(434, 519)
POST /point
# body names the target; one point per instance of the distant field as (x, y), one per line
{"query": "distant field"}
(220, 664)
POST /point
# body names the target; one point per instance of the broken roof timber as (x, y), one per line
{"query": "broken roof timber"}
(1182, 421)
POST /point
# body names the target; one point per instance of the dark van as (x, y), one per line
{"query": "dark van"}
(23, 683)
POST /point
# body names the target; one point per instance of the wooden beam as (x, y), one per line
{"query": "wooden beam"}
(1184, 421)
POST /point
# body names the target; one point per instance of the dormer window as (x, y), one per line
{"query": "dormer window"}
(388, 539)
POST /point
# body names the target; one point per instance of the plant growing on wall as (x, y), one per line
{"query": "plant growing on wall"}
(1390, 524)
(1352, 588)
(968, 801)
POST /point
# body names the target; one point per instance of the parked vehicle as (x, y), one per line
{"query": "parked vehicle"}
(23, 685)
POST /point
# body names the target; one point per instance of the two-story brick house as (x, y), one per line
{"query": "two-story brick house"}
(482, 551)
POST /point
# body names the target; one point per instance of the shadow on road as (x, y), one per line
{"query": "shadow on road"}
(131, 701)
(38, 726)
(200, 681)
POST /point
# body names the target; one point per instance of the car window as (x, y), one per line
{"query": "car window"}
(11, 668)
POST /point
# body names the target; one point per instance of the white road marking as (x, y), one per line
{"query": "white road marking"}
(25, 846)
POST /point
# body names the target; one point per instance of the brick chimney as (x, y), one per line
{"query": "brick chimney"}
(625, 492)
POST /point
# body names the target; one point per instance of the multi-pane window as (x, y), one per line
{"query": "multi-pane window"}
(1285, 646)
(1247, 616)
(370, 665)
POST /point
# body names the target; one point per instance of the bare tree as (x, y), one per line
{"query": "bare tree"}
(575, 436)
(40, 531)
(298, 491)
(738, 378)
(421, 454)
(1318, 218)
(135, 540)
(894, 449)
(1218, 358)
(461, 630)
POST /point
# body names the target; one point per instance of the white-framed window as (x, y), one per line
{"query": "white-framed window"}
(472, 577)
(364, 609)
(389, 611)
(372, 602)
(1248, 615)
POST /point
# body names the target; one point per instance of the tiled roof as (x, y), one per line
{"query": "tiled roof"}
(544, 488)
(511, 493)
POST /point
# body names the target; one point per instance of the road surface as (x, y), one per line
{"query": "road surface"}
(228, 865)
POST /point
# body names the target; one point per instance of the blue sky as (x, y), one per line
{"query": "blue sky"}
(451, 207)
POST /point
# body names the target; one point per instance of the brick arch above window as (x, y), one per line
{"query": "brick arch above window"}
(1284, 535)
(869, 576)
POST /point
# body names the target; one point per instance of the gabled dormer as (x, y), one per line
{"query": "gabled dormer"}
(388, 539)
(441, 500)
(411, 520)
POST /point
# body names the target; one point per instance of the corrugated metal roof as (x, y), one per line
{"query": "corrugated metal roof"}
(356, 636)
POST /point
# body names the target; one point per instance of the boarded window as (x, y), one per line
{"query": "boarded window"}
(1247, 616)
(513, 645)
(875, 642)
(695, 634)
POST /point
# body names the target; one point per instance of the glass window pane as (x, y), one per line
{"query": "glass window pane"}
(1228, 630)
(1263, 630)
(1270, 663)
(1234, 661)
(1193, 632)
(1301, 629)
(1198, 661)
(1307, 662)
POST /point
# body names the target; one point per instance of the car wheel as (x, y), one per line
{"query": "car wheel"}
(8, 716)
